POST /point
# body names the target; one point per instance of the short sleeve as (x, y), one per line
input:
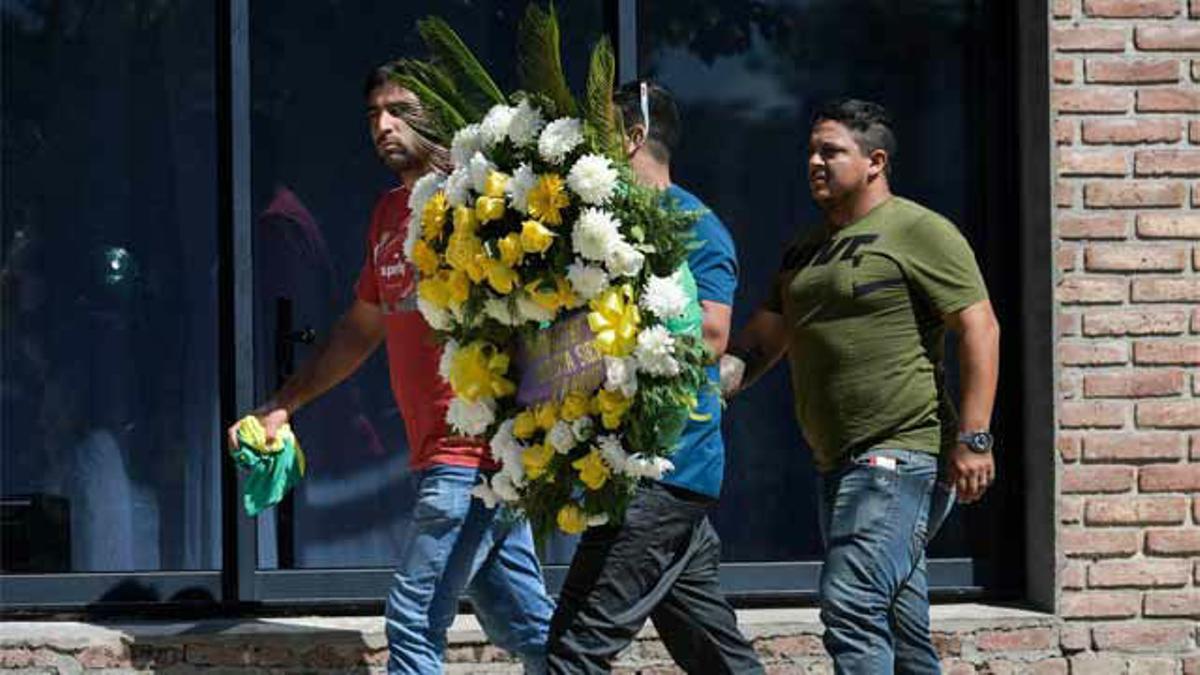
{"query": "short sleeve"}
(366, 288)
(714, 262)
(940, 264)
(794, 257)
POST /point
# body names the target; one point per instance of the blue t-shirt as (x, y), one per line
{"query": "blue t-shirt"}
(700, 459)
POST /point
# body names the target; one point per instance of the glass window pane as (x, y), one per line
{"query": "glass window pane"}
(747, 76)
(109, 381)
(315, 181)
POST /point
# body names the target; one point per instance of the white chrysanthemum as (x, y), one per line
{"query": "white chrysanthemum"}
(620, 374)
(526, 123)
(654, 352)
(479, 168)
(523, 180)
(423, 189)
(612, 452)
(471, 418)
(436, 317)
(586, 280)
(664, 297)
(559, 138)
(458, 187)
(448, 351)
(595, 234)
(505, 446)
(593, 178)
(495, 124)
(528, 310)
(623, 260)
(467, 141)
(597, 519)
(499, 310)
(484, 493)
(560, 437)
(505, 485)
(582, 428)
(642, 466)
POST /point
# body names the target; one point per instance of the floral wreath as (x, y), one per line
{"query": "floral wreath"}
(539, 230)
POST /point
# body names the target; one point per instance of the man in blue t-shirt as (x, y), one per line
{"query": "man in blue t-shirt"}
(663, 560)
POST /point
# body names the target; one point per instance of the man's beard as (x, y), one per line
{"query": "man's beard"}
(401, 160)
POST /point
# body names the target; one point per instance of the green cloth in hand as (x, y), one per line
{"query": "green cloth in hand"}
(274, 468)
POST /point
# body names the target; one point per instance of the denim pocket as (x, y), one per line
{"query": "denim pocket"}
(866, 495)
(439, 499)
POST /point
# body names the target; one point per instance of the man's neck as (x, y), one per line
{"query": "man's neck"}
(409, 177)
(850, 211)
(651, 173)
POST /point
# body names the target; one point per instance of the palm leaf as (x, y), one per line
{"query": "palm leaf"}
(539, 61)
(599, 109)
(450, 54)
(442, 84)
(442, 119)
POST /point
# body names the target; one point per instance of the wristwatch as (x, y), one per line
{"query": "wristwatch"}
(977, 441)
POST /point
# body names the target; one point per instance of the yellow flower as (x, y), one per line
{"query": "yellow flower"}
(425, 258)
(495, 183)
(435, 291)
(478, 370)
(524, 425)
(614, 319)
(433, 216)
(488, 209)
(611, 406)
(547, 198)
(502, 278)
(511, 253)
(458, 286)
(546, 415)
(574, 406)
(465, 252)
(464, 220)
(571, 519)
(592, 470)
(566, 294)
(536, 459)
(535, 237)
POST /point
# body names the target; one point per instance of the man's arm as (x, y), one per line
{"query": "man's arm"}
(715, 329)
(753, 351)
(979, 366)
(353, 338)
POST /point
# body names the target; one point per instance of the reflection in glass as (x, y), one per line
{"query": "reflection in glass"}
(110, 455)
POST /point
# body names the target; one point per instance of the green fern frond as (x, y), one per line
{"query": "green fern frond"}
(599, 109)
(456, 60)
(441, 119)
(442, 84)
(539, 59)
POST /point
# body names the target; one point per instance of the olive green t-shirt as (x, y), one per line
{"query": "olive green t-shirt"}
(864, 308)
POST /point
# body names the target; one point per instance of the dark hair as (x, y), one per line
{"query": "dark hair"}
(379, 76)
(664, 116)
(868, 122)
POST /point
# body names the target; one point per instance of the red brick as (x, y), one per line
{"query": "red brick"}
(1167, 163)
(1097, 664)
(1093, 353)
(1087, 543)
(1170, 478)
(949, 667)
(1131, 71)
(1134, 258)
(1136, 511)
(1148, 637)
(1196, 71)
(1075, 638)
(1139, 446)
(1068, 324)
(1124, 9)
(1101, 414)
(1169, 414)
(1064, 131)
(1194, 127)
(1064, 71)
(1089, 39)
(1165, 100)
(1132, 131)
(1196, 453)
(1196, 320)
(1196, 519)
(217, 654)
(1167, 290)
(100, 656)
(1072, 162)
(1177, 604)
(1138, 573)
(794, 645)
(1094, 605)
(1134, 322)
(1092, 100)
(1153, 666)
(1159, 352)
(1168, 225)
(1134, 384)
(1175, 542)
(1065, 258)
(1068, 446)
(1019, 640)
(1076, 290)
(1107, 226)
(1070, 510)
(1167, 38)
(1064, 194)
(1063, 9)
(1194, 9)
(1070, 385)
(1133, 194)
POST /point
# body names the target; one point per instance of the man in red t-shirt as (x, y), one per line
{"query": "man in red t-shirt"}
(453, 543)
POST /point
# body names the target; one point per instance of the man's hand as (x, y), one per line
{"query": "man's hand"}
(970, 472)
(271, 417)
(732, 370)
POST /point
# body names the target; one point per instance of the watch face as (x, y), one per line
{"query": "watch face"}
(981, 441)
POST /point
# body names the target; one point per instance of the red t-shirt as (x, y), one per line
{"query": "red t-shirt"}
(389, 281)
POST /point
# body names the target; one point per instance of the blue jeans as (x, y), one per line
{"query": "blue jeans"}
(876, 520)
(454, 544)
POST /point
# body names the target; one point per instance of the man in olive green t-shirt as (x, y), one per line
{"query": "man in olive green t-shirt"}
(861, 306)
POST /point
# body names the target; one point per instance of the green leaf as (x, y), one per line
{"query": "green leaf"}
(539, 61)
(442, 117)
(599, 109)
(455, 59)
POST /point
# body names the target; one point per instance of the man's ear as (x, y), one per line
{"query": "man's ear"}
(879, 163)
(635, 138)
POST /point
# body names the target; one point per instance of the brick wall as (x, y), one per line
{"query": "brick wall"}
(1126, 121)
